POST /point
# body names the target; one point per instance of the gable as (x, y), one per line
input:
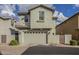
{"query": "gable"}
(45, 7)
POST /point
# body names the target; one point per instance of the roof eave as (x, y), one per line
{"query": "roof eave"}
(41, 6)
(68, 19)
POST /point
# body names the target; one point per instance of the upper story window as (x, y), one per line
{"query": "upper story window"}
(26, 18)
(41, 15)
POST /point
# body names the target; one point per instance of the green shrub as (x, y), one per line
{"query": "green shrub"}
(73, 42)
(13, 42)
(78, 42)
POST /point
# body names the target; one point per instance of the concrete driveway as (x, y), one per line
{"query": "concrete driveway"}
(51, 50)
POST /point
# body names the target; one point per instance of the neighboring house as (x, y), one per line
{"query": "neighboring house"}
(6, 30)
(35, 25)
(70, 26)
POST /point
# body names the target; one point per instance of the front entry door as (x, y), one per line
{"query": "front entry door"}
(17, 36)
(3, 38)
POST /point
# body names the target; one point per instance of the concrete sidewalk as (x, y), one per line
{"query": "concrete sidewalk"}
(62, 45)
(12, 50)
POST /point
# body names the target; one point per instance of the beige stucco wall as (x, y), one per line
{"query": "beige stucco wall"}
(68, 38)
(48, 21)
(4, 29)
(21, 37)
(21, 20)
(21, 17)
(53, 39)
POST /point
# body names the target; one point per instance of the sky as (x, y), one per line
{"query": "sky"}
(67, 9)
(62, 11)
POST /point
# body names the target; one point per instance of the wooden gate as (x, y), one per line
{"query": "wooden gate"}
(3, 38)
(62, 39)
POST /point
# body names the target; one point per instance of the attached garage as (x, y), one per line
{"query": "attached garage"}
(34, 37)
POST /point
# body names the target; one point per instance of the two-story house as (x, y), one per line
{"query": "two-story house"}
(35, 25)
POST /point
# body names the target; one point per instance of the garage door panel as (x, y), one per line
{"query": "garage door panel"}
(35, 38)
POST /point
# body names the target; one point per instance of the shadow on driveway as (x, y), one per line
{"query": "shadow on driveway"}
(51, 50)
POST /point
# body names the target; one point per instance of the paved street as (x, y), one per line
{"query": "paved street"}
(51, 50)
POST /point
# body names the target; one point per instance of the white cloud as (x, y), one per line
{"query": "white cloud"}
(57, 23)
(6, 11)
(60, 17)
(55, 13)
(25, 7)
(76, 5)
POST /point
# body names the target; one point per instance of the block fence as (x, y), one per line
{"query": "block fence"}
(59, 39)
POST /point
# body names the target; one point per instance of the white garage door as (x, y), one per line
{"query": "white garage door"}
(35, 38)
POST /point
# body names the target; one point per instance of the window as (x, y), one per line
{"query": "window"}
(26, 18)
(41, 15)
(3, 38)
